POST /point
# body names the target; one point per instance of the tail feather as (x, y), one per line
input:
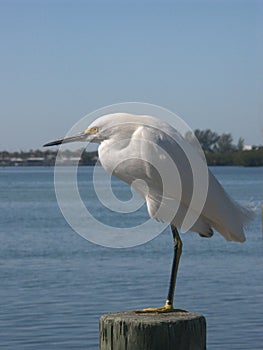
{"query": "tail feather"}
(223, 214)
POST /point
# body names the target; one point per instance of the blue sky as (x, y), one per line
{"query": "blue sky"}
(60, 60)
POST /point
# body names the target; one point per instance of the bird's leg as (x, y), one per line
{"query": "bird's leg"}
(168, 307)
(178, 246)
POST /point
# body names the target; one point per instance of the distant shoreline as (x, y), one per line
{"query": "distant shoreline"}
(247, 158)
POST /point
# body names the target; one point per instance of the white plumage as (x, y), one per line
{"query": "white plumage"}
(127, 141)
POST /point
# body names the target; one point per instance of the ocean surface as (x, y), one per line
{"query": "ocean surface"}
(54, 284)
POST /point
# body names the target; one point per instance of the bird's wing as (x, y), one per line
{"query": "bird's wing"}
(182, 190)
(169, 162)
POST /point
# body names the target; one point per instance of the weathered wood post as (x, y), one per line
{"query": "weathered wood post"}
(163, 331)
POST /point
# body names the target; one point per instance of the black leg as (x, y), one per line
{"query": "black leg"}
(168, 307)
(178, 245)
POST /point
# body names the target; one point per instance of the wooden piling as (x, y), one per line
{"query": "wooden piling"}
(147, 331)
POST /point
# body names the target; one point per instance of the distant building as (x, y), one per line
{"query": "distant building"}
(247, 148)
(35, 161)
(15, 161)
(67, 160)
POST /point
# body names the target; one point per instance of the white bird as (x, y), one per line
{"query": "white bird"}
(134, 147)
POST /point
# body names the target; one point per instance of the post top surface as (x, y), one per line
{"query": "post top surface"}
(170, 317)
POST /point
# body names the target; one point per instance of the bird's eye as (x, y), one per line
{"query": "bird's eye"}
(94, 130)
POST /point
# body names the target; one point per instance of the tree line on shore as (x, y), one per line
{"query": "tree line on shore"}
(218, 149)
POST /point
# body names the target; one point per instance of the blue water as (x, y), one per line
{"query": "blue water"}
(55, 285)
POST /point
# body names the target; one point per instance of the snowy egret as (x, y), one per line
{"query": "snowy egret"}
(129, 146)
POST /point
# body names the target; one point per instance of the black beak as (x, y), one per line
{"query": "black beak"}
(79, 137)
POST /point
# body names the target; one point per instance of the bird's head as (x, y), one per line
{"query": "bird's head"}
(120, 125)
(97, 132)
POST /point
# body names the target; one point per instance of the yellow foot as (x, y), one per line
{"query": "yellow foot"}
(164, 309)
